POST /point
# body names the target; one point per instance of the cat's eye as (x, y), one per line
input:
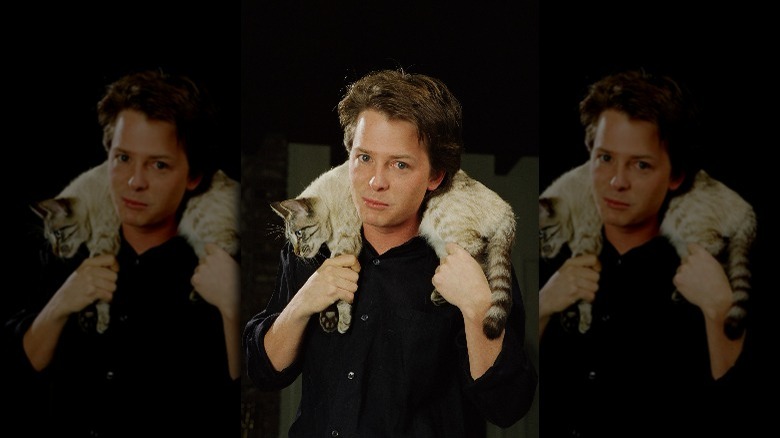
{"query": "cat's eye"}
(298, 233)
(57, 234)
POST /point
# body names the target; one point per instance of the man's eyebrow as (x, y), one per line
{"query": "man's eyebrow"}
(641, 157)
(150, 157)
(394, 157)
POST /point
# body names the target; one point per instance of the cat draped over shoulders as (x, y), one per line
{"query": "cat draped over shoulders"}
(468, 214)
(709, 213)
(84, 214)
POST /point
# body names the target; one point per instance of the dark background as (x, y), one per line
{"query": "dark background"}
(53, 81)
(297, 60)
(282, 69)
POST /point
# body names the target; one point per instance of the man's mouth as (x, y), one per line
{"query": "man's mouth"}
(133, 204)
(373, 203)
(614, 203)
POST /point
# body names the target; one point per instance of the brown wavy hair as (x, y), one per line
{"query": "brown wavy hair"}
(169, 98)
(653, 98)
(421, 100)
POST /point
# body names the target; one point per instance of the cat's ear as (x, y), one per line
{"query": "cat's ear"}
(294, 207)
(50, 207)
(546, 208)
(280, 210)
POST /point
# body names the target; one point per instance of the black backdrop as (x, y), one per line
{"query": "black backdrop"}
(519, 81)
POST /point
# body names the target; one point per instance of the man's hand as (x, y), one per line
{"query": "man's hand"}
(94, 279)
(702, 281)
(577, 279)
(336, 279)
(461, 281)
(217, 280)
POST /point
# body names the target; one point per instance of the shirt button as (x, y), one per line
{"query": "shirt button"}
(350, 375)
(137, 262)
(123, 318)
(334, 433)
(375, 262)
(364, 317)
(605, 318)
(110, 375)
(592, 375)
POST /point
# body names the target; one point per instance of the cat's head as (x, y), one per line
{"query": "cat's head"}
(306, 224)
(63, 225)
(553, 230)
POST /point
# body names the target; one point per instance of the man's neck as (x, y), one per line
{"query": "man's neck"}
(142, 239)
(382, 239)
(625, 239)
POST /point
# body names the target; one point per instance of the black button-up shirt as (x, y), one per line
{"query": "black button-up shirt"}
(642, 369)
(160, 367)
(402, 368)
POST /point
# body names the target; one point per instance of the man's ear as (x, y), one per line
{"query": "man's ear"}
(676, 181)
(192, 183)
(435, 180)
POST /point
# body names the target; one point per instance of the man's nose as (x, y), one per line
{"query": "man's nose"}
(620, 180)
(138, 180)
(378, 182)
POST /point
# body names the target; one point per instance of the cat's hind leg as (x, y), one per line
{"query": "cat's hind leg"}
(103, 316)
(105, 242)
(586, 317)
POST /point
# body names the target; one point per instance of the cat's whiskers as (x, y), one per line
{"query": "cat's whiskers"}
(275, 230)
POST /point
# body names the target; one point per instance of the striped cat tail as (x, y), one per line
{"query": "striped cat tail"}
(738, 271)
(498, 269)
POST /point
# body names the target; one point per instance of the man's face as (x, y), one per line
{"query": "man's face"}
(149, 172)
(390, 172)
(631, 172)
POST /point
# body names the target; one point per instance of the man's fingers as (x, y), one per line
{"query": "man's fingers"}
(104, 261)
(343, 260)
(695, 248)
(587, 261)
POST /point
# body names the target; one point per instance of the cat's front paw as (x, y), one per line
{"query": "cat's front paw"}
(329, 319)
(570, 318)
(437, 299)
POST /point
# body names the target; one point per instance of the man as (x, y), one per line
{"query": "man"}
(405, 367)
(643, 349)
(167, 364)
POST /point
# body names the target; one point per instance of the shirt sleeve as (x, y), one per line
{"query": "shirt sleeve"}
(259, 368)
(43, 276)
(504, 394)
